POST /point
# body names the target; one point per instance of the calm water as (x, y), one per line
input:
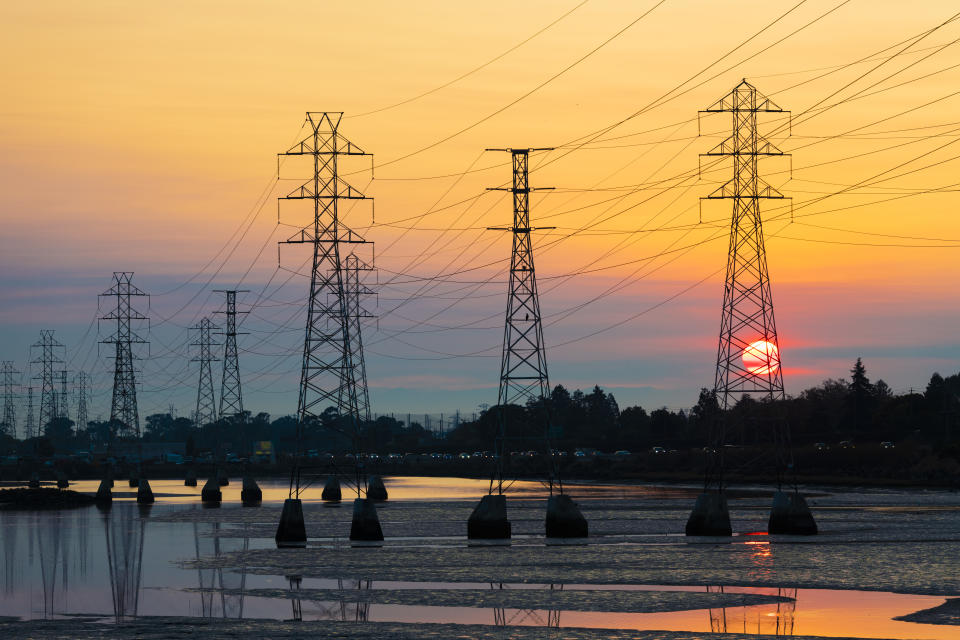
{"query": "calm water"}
(126, 562)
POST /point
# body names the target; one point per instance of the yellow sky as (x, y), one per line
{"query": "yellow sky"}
(139, 135)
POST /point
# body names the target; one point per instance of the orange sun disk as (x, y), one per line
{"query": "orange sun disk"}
(761, 358)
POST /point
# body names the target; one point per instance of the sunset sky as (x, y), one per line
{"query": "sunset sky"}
(144, 137)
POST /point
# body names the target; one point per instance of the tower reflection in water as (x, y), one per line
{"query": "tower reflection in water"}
(351, 606)
(124, 526)
(536, 617)
(221, 592)
(774, 620)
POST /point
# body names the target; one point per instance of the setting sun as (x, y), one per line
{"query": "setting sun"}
(761, 357)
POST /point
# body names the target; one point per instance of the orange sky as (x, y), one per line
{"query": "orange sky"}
(138, 137)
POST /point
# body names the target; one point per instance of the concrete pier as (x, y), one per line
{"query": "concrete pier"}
(791, 515)
(376, 490)
(250, 494)
(366, 525)
(144, 492)
(489, 519)
(34, 482)
(564, 519)
(222, 477)
(104, 495)
(291, 531)
(134, 478)
(211, 491)
(331, 489)
(191, 479)
(62, 482)
(710, 516)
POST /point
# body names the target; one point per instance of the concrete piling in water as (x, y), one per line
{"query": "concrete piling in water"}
(62, 482)
(791, 515)
(331, 489)
(134, 479)
(250, 494)
(489, 519)
(104, 497)
(34, 482)
(366, 525)
(710, 516)
(222, 477)
(211, 491)
(144, 492)
(191, 478)
(291, 531)
(376, 490)
(564, 519)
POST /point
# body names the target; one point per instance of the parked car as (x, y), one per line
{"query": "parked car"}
(622, 453)
(821, 446)
(658, 450)
(886, 444)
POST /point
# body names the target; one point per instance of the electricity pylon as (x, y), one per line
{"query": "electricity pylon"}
(47, 360)
(9, 424)
(28, 427)
(206, 399)
(231, 397)
(748, 356)
(354, 288)
(328, 376)
(123, 406)
(523, 366)
(81, 388)
(64, 400)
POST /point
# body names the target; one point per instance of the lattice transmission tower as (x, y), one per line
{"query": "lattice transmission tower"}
(81, 389)
(748, 355)
(206, 412)
(63, 408)
(354, 288)
(523, 366)
(48, 361)
(231, 395)
(30, 423)
(123, 405)
(9, 424)
(328, 373)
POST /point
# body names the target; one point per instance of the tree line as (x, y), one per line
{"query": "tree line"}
(853, 409)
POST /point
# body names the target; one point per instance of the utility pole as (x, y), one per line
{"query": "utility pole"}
(354, 288)
(123, 405)
(81, 386)
(231, 398)
(206, 412)
(9, 424)
(47, 360)
(328, 376)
